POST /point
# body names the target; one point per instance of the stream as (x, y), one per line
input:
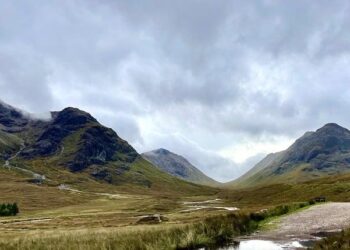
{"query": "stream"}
(263, 245)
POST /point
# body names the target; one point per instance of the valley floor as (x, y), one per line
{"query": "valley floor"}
(89, 213)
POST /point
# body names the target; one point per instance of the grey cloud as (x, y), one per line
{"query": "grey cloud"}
(216, 72)
(23, 80)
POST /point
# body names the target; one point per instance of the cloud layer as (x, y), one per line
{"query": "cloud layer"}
(221, 82)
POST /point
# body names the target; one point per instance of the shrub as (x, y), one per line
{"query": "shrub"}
(312, 202)
(9, 209)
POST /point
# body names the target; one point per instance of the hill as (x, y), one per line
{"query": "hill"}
(178, 166)
(324, 152)
(74, 149)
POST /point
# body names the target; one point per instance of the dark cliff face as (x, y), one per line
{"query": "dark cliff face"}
(99, 145)
(62, 124)
(72, 118)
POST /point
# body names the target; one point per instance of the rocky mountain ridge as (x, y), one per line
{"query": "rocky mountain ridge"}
(323, 152)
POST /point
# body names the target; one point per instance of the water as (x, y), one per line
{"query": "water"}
(263, 245)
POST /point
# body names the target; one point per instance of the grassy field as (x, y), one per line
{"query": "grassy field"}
(100, 216)
(334, 188)
(96, 215)
(209, 231)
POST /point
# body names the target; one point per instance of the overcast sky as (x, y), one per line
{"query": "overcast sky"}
(221, 82)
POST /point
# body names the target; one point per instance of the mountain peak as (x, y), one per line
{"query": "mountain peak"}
(332, 129)
(321, 153)
(72, 116)
(177, 165)
(332, 126)
(161, 151)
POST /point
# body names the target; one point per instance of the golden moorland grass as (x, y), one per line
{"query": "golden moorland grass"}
(58, 219)
(213, 230)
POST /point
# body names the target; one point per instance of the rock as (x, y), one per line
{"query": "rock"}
(152, 219)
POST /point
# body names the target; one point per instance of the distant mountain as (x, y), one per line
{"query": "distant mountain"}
(177, 165)
(73, 147)
(316, 154)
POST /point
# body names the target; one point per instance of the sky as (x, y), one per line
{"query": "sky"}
(222, 83)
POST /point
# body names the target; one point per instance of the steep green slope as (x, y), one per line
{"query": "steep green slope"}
(324, 152)
(9, 144)
(334, 188)
(177, 166)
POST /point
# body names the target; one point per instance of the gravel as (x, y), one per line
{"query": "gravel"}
(306, 224)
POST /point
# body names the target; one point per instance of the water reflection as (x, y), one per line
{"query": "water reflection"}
(262, 245)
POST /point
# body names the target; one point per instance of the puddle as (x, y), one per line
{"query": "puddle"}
(201, 202)
(195, 208)
(263, 245)
(208, 204)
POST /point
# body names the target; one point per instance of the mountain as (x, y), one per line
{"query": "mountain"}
(11, 119)
(178, 166)
(324, 152)
(74, 148)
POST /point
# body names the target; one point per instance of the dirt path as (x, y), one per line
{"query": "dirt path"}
(310, 222)
(8, 165)
(67, 188)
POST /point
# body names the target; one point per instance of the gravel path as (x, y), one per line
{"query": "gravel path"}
(305, 224)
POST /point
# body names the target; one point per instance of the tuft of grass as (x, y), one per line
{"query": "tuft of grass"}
(211, 231)
(337, 241)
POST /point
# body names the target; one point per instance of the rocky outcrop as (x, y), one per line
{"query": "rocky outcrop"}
(62, 124)
(99, 145)
(152, 219)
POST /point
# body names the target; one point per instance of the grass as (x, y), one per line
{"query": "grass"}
(9, 143)
(334, 188)
(335, 242)
(56, 218)
(210, 231)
